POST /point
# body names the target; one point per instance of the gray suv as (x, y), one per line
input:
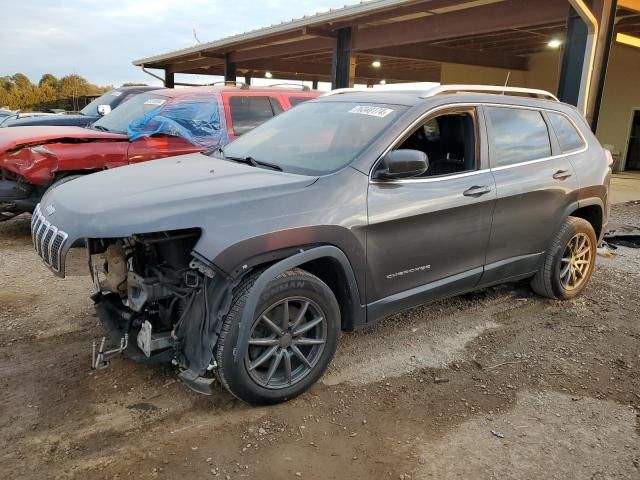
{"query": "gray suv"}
(245, 263)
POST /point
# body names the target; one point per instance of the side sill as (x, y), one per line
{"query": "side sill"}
(447, 287)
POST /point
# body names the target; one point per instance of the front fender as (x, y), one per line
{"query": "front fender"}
(325, 251)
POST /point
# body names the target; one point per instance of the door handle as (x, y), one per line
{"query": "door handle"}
(562, 174)
(476, 191)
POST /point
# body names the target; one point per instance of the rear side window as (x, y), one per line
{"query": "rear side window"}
(568, 137)
(298, 100)
(519, 135)
(249, 112)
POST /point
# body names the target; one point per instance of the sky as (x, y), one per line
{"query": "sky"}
(99, 39)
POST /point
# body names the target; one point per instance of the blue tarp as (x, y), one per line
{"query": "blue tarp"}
(197, 120)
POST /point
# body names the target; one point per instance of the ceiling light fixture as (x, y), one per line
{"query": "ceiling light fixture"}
(383, 82)
(376, 64)
(554, 43)
(268, 74)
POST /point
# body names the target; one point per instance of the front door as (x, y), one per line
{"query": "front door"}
(429, 235)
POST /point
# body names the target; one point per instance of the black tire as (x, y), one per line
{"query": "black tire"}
(548, 281)
(297, 284)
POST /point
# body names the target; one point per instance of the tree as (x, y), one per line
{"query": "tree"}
(21, 81)
(17, 92)
(48, 79)
(134, 84)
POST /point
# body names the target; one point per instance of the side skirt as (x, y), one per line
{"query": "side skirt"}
(447, 287)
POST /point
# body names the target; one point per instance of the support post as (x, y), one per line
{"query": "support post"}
(343, 64)
(314, 84)
(169, 79)
(607, 26)
(247, 78)
(573, 59)
(230, 74)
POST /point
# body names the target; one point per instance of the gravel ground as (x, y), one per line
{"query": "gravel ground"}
(415, 396)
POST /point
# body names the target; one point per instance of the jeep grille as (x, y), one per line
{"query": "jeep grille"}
(48, 240)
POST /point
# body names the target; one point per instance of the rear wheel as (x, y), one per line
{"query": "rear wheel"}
(293, 338)
(569, 262)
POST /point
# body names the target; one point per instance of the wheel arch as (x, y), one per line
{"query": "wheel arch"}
(328, 263)
(591, 210)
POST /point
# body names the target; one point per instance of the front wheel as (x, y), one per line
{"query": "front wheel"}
(293, 338)
(569, 262)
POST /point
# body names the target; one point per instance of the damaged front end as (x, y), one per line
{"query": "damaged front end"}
(159, 303)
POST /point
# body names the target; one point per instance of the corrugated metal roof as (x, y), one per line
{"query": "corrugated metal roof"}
(364, 7)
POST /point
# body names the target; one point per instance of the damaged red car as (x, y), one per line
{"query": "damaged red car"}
(152, 125)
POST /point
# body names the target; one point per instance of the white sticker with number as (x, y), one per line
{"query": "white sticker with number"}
(154, 101)
(116, 93)
(371, 111)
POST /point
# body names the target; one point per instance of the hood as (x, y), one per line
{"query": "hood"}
(62, 120)
(17, 137)
(168, 194)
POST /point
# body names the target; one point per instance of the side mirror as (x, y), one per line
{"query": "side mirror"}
(402, 164)
(104, 110)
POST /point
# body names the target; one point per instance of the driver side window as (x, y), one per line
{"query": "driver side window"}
(450, 142)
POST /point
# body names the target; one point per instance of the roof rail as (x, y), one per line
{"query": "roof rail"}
(449, 89)
(532, 92)
(242, 85)
(304, 88)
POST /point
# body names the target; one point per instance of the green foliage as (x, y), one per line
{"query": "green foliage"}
(134, 84)
(69, 92)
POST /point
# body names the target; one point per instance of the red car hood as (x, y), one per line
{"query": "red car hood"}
(16, 137)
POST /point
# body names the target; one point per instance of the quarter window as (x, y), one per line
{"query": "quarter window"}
(568, 137)
(519, 135)
(247, 112)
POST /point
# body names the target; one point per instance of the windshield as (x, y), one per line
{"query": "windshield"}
(131, 110)
(109, 98)
(315, 138)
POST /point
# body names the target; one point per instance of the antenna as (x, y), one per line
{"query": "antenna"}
(506, 82)
(195, 35)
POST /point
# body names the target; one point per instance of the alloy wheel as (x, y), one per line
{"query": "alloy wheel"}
(286, 343)
(576, 261)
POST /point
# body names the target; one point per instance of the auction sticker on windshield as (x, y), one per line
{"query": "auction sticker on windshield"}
(116, 93)
(372, 111)
(155, 101)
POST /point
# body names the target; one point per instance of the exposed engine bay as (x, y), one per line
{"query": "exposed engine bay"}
(158, 303)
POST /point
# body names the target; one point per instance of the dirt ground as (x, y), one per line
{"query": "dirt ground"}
(495, 384)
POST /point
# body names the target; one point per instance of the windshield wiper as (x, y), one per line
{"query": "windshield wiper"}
(254, 163)
(219, 152)
(100, 127)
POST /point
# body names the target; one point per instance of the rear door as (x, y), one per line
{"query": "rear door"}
(535, 183)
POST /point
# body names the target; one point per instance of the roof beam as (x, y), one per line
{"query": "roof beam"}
(630, 4)
(192, 65)
(461, 23)
(303, 46)
(318, 32)
(437, 53)
(323, 70)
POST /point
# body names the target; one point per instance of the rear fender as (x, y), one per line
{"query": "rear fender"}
(358, 312)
